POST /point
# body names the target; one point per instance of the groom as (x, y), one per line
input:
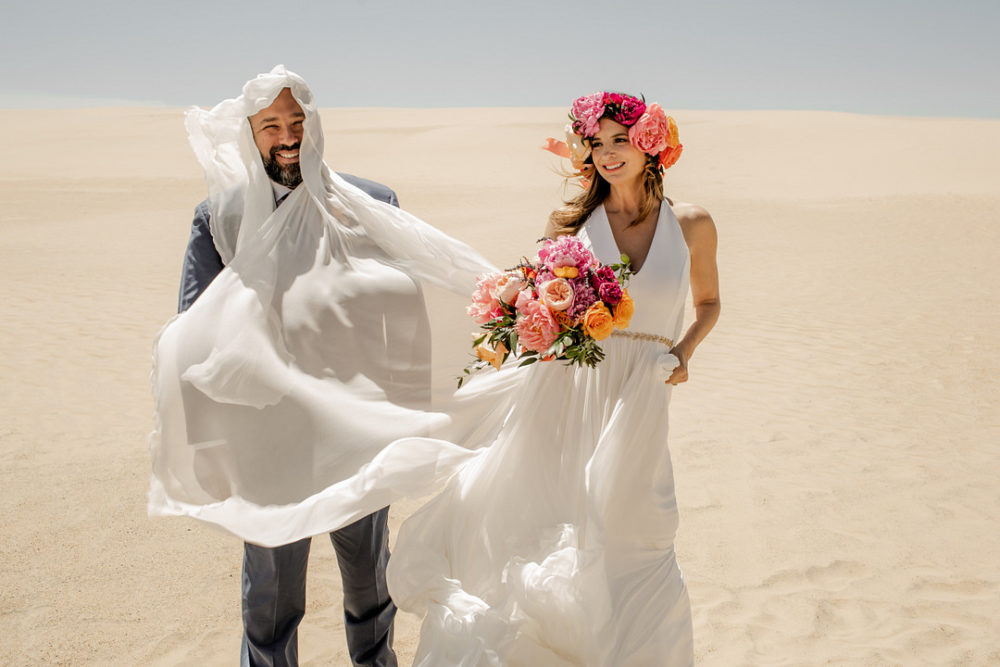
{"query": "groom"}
(274, 579)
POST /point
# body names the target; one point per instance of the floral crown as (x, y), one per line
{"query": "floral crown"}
(650, 129)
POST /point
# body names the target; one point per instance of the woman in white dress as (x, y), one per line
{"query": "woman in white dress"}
(554, 546)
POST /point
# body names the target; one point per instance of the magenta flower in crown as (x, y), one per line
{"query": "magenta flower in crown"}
(587, 111)
(630, 109)
(613, 99)
(622, 108)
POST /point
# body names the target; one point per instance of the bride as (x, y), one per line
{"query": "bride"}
(554, 545)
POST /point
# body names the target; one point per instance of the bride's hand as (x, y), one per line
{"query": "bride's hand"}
(680, 373)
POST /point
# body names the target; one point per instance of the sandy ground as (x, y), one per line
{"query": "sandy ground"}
(837, 450)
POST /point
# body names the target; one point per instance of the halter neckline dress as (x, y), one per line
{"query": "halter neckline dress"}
(554, 546)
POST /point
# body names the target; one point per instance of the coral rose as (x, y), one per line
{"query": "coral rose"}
(556, 294)
(598, 322)
(649, 134)
(536, 328)
(624, 311)
(670, 156)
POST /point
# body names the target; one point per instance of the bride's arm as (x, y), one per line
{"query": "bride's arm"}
(702, 240)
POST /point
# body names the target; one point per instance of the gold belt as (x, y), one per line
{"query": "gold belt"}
(643, 336)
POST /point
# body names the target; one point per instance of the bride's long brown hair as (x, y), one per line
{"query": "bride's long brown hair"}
(569, 218)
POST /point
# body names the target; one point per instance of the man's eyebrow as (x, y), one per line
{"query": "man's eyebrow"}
(271, 119)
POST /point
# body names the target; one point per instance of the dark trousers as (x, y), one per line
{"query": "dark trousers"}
(274, 596)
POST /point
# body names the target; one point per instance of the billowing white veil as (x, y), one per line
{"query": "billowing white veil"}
(279, 392)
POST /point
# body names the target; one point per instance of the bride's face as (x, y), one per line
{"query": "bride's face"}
(617, 160)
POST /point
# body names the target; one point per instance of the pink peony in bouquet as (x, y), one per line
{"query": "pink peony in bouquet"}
(557, 307)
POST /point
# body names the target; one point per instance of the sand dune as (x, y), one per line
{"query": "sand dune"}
(836, 451)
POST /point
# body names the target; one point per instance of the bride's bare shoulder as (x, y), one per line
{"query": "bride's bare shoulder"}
(688, 213)
(695, 220)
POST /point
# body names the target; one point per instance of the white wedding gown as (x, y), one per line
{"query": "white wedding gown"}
(555, 544)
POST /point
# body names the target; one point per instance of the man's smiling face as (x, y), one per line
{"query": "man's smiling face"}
(277, 131)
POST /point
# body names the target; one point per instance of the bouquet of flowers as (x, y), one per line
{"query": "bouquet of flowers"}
(557, 307)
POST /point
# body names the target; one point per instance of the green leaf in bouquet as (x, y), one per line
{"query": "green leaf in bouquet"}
(623, 270)
(472, 367)
(586, 353)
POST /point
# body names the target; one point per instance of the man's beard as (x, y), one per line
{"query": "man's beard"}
(288, 175)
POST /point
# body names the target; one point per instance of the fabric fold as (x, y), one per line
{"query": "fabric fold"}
(290, 395)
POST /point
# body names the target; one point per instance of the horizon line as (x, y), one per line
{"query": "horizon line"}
(97, 104)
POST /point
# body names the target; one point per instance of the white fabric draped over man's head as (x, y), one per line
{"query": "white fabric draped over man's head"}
(240, 196)
(278, 392)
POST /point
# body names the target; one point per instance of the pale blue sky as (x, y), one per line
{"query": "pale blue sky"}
(901, 57)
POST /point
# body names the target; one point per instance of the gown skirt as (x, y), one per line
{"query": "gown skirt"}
(554, 545)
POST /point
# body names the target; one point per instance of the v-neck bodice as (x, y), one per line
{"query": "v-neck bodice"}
(660, 288)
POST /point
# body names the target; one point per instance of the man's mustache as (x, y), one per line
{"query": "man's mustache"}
(293, 147)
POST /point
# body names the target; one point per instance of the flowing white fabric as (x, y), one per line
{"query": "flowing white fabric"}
(279, 391)
(554, 546)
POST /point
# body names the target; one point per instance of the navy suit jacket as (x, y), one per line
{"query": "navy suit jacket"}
(202, 262)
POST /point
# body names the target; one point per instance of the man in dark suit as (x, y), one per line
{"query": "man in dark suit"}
(274, 579)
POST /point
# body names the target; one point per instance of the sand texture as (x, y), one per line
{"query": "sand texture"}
(837, 451)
